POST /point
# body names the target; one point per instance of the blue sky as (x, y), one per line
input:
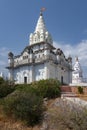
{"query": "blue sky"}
(66, 20)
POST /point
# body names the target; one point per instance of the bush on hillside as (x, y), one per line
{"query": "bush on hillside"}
(5, 88)
(1, 80)
(25, 106)
(25, 88)
(47, 88)
(26, 102)
(80, 90)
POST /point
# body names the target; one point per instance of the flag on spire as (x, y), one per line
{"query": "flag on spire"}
(43, 9)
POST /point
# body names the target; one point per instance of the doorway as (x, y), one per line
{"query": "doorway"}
(62, 80)
(25, 80)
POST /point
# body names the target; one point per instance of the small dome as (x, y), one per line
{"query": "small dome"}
(69, 59)
(10, 54)
(31, 35)
(47, 33)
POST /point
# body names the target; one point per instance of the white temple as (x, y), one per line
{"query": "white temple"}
(40, 59)
(77, 76)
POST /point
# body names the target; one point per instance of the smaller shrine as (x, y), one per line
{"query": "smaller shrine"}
(77, 76)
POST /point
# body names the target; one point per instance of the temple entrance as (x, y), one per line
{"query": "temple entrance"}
(62, 80)
(25, 80)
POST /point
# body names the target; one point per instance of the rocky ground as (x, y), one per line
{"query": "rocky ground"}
(47, 124)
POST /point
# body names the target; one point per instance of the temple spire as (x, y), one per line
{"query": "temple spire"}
(40, 34)
(76, 58)
(41, 23)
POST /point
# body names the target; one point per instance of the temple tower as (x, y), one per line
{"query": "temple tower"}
(40, 34)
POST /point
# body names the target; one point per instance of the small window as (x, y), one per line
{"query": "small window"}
(25, 57)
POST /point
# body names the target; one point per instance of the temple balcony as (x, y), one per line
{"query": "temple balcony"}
(32, 61)
(23, 62)
(28, 61)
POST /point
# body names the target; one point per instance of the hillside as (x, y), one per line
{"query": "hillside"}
(38, 106)
(11, 124)
(58, 116)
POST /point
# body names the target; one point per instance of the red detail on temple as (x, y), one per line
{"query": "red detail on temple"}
(43, 9)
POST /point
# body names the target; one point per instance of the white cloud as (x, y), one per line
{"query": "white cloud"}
(79, 50)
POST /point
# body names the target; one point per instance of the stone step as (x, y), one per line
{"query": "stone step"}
(66, 89)
(68, 95)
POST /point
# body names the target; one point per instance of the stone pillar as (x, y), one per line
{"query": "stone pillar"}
(70, 69)
(46, 69)
(32, 79)
(11, 66)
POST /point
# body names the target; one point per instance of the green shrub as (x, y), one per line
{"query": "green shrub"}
(26, 102)
(25, 88)
(47, 88)
(25, 106)
(80, 90)
(6, 89)
(1, 80)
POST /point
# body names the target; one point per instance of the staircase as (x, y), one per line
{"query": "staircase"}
(66, 91)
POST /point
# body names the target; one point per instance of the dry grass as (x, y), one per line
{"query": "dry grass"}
(10, 124)
(13, 125)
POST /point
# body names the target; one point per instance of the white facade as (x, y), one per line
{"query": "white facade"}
(77, 76)
(40, 59)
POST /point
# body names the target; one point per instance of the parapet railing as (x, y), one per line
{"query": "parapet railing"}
(31, 60)
(35, 60)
